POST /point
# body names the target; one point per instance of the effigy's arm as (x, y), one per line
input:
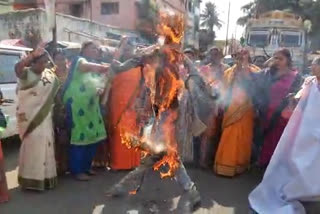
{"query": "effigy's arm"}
(203, 102)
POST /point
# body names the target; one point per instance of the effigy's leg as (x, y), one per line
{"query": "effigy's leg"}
(132, 182)
(183, 178)
(190, 199)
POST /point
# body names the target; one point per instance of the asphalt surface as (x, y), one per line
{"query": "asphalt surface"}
(219, 195)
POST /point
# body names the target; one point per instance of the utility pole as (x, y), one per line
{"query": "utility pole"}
(54, 31)
(52, 22)
(90, 1)
(226, 48)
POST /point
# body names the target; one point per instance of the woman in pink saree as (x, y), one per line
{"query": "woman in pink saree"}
(284, 82)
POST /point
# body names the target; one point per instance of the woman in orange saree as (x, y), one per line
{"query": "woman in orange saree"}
(125, 88)
(234, 150)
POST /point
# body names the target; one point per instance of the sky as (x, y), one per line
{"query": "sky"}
(235, 13)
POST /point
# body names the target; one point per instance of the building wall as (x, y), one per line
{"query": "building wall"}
(175, 5)
(5, 6)
(126, 18)
(68, 27)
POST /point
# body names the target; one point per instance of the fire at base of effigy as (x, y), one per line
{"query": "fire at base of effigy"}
(160, 136)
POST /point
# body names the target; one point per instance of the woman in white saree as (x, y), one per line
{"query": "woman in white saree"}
(36, 91)
(292, 176)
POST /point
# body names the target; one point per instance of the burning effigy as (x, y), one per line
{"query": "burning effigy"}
(172, 106)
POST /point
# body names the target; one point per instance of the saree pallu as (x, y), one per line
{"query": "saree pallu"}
(278, 92)
(125, 88)
(4, 194)
(37, 166)
(234, 151)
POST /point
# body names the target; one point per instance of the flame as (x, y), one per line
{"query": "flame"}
(171, 27)
(171, 158)
(164, 93)
(133, 192)
(169, 86)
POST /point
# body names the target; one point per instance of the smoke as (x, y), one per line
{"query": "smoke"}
(153, 141)
(94, 81)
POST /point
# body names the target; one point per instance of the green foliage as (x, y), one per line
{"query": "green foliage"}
(209, 19)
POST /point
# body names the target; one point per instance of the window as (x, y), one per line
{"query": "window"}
(110, 8)
(259, 39)
(290, 39)
(7, 62)
(76, 10)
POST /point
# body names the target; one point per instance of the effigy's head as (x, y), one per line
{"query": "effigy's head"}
(171, 28)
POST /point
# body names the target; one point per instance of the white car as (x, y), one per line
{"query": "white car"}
(9, 56)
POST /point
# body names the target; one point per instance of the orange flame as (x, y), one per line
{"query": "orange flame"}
(171, 27)
(168, 94)
(172, 157)
(169, 84)
(133, 192)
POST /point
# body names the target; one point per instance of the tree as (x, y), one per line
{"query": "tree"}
(210, 17)
(209, 20)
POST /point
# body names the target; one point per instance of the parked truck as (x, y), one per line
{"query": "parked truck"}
(277, 29)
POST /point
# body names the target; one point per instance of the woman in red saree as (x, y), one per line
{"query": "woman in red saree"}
(4, 194)
(284, 81)
(125, 88)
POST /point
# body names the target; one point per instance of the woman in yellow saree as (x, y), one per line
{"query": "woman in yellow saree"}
(234, 151)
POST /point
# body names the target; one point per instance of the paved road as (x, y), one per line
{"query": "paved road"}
(219, 195)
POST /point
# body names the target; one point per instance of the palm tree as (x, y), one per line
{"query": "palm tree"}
(210, 18)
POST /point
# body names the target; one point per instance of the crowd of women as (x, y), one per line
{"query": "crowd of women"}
(255, 106)
(69, 115)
